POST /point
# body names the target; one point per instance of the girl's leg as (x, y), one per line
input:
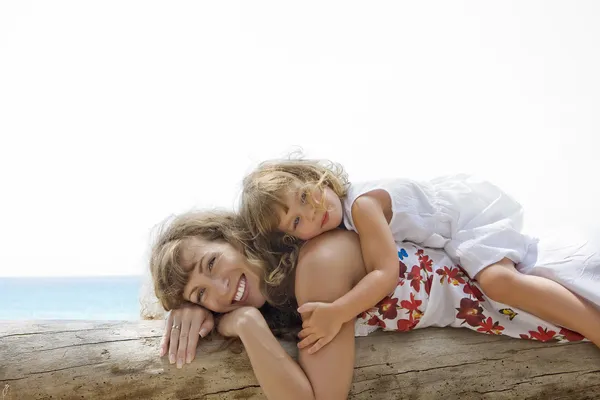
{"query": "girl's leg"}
(541, 297)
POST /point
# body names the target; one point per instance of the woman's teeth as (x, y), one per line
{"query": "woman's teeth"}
(241, 289)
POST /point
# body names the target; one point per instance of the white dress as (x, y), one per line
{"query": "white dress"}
(475, 222)
(432, 291)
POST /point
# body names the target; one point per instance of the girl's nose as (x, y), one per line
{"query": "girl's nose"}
(310, 214)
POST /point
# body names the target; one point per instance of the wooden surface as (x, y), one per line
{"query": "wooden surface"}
(96, 360)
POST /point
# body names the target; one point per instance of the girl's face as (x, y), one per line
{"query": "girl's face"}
(221, 279)
(304, 221)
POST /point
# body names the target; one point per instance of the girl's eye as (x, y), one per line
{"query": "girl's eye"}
(200, 295)
(211, 264)
(303, 198)
(296, 222)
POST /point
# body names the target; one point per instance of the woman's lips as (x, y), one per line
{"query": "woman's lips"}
(241, 290)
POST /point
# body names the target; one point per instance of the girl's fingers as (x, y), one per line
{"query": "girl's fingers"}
(318, 346)
(307, 323)
(308, 341)
(304, 333)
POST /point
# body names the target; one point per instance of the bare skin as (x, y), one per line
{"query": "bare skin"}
(328, 267)
(542, 297)
(372, 212)
(183, 329)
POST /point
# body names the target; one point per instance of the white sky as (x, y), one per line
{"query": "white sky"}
(115, 114)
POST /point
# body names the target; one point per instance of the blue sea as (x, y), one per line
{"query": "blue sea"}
(97, 298)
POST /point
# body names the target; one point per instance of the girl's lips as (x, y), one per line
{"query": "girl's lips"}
(325, 218)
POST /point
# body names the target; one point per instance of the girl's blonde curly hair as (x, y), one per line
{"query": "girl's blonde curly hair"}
(264, 189)
(275, 258)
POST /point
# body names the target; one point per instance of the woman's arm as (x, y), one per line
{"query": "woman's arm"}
(329, 265)
(278, 374)
(330, 268)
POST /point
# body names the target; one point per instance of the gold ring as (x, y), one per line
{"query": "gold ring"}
(175, 327)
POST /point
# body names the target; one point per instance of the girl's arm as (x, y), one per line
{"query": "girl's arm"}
(371, 213)
(322, 275)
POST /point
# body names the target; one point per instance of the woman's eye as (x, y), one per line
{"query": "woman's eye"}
(211, 264)
(303, 198)
(200, 295)
(296, 222)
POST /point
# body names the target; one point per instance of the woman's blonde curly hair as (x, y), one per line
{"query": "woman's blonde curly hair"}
(264, 189)
(275, 258)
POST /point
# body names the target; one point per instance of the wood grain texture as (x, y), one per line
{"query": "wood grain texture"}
(114, 361)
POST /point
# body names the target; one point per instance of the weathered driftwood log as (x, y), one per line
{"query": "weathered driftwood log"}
(94, 360)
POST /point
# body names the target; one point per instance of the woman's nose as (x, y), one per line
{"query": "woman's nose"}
(222, 286)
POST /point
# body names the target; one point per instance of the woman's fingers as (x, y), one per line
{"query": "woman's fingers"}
(192, 339)
(190, 326)
(166, 335)
(184, 327)
(183, 341)
(207, 326)
(174, 342)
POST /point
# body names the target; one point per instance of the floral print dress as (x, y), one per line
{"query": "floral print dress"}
(432, 291)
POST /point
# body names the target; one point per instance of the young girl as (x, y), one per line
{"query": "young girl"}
(477, 224)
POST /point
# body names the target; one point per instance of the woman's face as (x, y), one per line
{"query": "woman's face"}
(221, 279)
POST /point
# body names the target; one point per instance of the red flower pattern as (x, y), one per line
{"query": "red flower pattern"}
(542, 334)
(425, 263)
(473, 290)
(454, 275)
(570, 335)
(405, 325)
(412, 307)
(386, 313)
(491, 327)
(402, 270)
(375, 321)
(388, 308)
(428, 284)
(470, 311)
(415, 278)
(412, 304)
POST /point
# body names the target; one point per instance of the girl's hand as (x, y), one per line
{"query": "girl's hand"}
(231, 323)
(183, 328)
(320, 326)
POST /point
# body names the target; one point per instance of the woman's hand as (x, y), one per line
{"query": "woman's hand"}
(231, 323)
(182, 330)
